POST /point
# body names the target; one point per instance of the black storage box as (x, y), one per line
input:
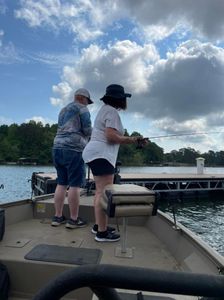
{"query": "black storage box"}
(2, 223)
(4, 282)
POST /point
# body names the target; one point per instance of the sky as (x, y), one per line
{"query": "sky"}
(169, 54)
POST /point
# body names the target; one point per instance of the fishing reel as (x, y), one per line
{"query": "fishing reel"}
(141, 142)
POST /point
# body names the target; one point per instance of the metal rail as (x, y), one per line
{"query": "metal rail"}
(181, 185)
(104, 279)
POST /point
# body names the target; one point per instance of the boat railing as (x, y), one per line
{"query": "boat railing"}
(104, 279)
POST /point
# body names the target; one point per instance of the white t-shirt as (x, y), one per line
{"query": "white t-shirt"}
(98, 146)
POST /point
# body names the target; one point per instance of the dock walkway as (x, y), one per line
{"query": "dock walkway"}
(45, 183)
(176, 182)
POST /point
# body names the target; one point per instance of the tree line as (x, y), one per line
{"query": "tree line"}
(33, 142)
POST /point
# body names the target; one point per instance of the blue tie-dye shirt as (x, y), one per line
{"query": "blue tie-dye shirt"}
(74, 127)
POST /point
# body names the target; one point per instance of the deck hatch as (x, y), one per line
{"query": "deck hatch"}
(19, 243)
(65, 255)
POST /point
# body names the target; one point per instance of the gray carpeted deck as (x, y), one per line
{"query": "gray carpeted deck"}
(65, 255)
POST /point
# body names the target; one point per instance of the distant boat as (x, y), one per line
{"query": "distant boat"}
(27, 161)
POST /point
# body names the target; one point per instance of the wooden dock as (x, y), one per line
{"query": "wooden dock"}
(176, 182)
(45, 183)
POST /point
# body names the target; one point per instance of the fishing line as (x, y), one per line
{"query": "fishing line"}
(183, 134)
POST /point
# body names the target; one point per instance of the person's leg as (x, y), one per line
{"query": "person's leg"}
(60, 191)
(103, 234)
(73, 202)
(100, 216)
(76, 178)
(59, 197)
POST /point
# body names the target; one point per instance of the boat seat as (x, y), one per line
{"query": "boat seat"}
(128, 200)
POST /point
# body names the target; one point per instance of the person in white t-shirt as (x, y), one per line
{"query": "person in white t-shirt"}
(100, 154)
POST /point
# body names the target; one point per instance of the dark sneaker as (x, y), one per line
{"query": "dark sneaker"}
(94, 229)
(107, 236)
(79, 223)
(56, 221)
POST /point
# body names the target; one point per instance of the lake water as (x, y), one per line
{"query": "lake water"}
(205, 217)
(15, 181)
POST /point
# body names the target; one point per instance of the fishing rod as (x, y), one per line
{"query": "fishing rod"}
(142, 141)
(183, 134)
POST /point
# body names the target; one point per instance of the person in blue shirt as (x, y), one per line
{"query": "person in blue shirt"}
(73, 133)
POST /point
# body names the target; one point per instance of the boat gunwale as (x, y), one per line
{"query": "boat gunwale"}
(199, 243)
(16, 203)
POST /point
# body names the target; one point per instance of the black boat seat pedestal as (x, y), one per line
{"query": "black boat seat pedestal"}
(127, 200)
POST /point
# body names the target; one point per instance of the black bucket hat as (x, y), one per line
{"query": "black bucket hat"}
(115, 91)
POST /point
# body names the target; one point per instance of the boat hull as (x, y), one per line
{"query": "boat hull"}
(155, 241)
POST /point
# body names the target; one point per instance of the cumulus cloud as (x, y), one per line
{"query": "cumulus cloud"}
(82, 18)
(171, 126)
(38, 119)
(216, 119)
(88, 19)
(180, 94)
(205, 17)
(124, 62)
(188, 84)
(64, 92)
(5, 121)
(193, 133)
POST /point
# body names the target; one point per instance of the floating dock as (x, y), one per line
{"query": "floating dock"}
(164, 183)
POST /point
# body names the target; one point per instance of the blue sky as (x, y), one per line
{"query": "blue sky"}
(167, 53)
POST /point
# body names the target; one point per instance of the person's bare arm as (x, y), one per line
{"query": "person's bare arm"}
(114, 137)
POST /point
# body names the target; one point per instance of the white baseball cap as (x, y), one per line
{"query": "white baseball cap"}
(85, 93)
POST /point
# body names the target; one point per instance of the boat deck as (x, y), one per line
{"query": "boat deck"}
(20, 238)
(24, 233)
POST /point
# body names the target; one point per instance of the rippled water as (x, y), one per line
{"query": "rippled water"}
(15, 181)
(205, 218)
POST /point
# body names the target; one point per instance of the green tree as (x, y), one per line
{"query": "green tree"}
(189, 155)
(153, 154)
(34, 140)
(220, 158)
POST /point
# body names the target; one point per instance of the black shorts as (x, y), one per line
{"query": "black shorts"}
(100, 167)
